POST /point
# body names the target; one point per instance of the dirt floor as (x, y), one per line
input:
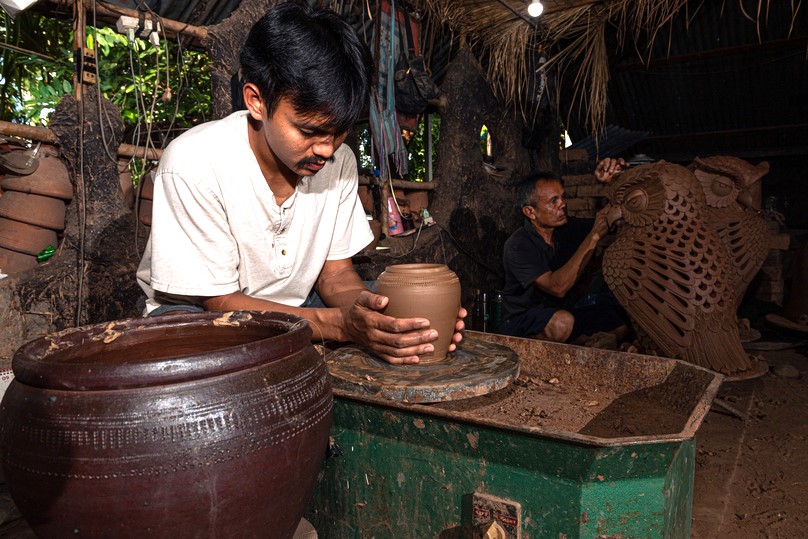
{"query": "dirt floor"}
(752, 453)
(752, 473)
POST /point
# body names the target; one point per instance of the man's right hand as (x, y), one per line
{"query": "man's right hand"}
(395, 340)
(602, 222)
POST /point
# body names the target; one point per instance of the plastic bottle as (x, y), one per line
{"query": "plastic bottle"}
(496, 311)
(477, 311)
(486, 318)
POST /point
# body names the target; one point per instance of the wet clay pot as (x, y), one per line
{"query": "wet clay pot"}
(185, 425)
(430, 291)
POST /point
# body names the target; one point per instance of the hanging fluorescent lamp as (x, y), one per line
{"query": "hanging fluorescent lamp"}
(535, 8)
(13, 7)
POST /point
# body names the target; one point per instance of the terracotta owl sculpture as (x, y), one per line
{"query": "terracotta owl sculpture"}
(671, 271)
(733, 212)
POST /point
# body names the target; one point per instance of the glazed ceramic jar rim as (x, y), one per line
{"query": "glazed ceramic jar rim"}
(47, 362)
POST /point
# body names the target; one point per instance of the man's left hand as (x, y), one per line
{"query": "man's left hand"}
(608, 168)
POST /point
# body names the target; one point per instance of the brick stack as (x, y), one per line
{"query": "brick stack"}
(585, 195)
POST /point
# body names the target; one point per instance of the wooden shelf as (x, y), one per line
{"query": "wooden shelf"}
(400, 184)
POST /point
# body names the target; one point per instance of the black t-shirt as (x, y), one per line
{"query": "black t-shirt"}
(526, 256)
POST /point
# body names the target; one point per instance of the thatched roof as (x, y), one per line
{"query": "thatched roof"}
(687, 71)
(579, 35)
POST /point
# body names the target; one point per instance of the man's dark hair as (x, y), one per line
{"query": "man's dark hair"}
(312, 57)
(526, 186)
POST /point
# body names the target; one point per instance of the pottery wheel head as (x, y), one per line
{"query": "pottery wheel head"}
(475, 368)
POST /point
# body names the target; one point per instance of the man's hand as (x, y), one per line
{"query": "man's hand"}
(608, 168)
(613, 214)
(395, 340)
(602, 222)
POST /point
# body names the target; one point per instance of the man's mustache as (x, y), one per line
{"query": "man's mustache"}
(314, 161)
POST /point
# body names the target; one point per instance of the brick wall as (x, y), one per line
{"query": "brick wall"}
(585, 195)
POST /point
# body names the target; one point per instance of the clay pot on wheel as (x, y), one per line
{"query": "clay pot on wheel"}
(185, 425)
(430, 291)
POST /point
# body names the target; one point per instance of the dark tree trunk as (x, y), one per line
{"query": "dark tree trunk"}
(99, 238)
(474, 205)
(224, 44)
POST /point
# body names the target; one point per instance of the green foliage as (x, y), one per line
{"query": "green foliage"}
(417, 149)
(32, 82)
(156, 88)
(362, 133)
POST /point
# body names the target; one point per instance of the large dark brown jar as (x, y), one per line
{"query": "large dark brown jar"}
(430, 291)
(186, 425)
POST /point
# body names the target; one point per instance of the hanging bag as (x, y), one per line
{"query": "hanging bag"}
(413, 85)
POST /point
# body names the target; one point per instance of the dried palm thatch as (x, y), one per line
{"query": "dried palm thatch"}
(573, 32)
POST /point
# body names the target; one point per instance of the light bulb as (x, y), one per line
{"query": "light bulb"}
(535, 9)
(15, 6)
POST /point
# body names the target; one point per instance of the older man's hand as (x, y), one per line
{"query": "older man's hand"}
(608, 168)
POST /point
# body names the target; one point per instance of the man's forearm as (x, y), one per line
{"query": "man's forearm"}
(339, 285)
(560, 281)
(326, 323)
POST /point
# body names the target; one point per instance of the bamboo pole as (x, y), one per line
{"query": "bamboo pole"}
(43, 134)
(401, 184)
(79, 34)
(29, 132)
(127, 150)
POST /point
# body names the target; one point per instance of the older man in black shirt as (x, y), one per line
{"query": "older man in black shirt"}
(545, 258)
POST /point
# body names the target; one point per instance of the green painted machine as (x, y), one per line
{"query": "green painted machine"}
(586, 443)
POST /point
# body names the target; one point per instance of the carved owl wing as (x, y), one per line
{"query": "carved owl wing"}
(656, 287)
(746, 236)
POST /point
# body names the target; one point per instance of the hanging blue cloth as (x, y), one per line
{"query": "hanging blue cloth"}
(388, 145)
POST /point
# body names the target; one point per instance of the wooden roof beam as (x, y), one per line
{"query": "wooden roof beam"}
(716, 53)
(170, 27)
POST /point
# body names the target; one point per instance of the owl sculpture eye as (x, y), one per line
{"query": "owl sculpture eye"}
(640, 194)
(719, 190)
(636, 200)
(723, 186)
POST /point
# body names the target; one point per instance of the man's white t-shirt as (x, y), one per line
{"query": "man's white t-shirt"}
(216, 228)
